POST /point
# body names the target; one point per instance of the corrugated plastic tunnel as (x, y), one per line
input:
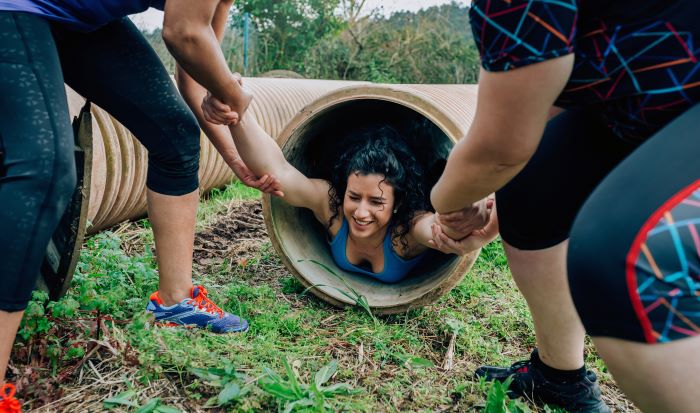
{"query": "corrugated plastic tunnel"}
(432, 118)
(307, 117)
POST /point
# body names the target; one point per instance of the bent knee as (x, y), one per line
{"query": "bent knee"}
(173, 168)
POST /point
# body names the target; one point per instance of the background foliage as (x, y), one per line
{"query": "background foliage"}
(342, 39)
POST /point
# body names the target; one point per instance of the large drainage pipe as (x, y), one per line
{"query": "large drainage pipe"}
(432, 117)
(315, 114)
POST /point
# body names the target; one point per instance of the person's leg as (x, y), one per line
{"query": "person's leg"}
(659, 379)
(37, 167)
(9, 323)
(541, 277)
(116, 68)
(536, 210)
(633, 263)
(173, 221)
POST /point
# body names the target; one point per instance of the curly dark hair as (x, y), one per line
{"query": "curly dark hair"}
(382, 151)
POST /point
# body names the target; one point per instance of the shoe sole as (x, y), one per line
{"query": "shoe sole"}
(171, 324)
(63, 251)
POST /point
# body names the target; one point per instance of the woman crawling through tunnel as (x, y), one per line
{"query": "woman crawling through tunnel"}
(375, 205)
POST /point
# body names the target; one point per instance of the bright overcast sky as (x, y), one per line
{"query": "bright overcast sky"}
(152, 18)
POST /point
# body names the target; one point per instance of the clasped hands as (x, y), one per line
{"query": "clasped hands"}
(468, 229)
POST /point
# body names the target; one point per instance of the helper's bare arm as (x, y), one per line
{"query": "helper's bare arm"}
(194, 93)
(189, 34)
(512, 111)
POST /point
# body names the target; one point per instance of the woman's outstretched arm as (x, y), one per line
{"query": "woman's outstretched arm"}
(262, 155)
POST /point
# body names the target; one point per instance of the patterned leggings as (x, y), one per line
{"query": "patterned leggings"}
(634, 252)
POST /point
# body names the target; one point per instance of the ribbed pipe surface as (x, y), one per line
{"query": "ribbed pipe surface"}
(448, 108)
(120, 162)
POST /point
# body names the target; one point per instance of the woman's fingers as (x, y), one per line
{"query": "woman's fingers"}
(450, 244)
(276, 186)
(211, 116)
(439, 240)
(265, 184)
(219, 106)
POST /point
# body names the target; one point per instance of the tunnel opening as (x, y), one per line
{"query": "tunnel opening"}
(311, 147)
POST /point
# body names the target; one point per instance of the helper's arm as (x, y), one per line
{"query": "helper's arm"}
(219, 135)
(189, 35)
(511, 115)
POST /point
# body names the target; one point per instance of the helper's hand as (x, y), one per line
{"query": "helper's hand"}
(217, 112)
(459, 224)
(266, 184)
(475, 240)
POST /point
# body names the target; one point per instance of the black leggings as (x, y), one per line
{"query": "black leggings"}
(113, 67)
(630, 213)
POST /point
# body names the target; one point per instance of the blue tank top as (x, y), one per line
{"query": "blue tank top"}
(395, 267)
(83, 15)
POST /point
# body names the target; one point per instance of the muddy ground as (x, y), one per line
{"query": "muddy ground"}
(234, 236)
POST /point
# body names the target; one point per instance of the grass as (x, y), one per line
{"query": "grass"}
(95, 349)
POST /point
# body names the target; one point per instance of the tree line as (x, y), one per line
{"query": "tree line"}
(340, 39)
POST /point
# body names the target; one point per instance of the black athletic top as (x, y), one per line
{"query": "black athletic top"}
(636, 59)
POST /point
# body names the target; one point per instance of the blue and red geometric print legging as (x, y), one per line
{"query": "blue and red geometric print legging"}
(634, 252)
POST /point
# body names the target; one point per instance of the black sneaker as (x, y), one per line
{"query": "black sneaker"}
(579, 396)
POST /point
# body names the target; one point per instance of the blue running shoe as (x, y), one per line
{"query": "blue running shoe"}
(197, 311)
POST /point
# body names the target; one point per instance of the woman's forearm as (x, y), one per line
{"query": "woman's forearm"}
(511, 114)
(421, 230)
(191, 39)
(190, 49)
(262, 156)
(257, 149)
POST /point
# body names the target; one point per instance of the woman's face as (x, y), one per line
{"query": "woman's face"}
(368, 204)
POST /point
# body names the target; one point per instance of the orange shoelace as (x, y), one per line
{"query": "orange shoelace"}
(8, 403)
(204, 303)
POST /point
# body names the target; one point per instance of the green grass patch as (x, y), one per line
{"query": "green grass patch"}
(300, 354)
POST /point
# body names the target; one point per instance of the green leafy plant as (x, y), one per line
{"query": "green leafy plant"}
(416, 362)
(227, 378)
(156, 406)
(358, 299)
(497, 400)
(292, 394)
(126, 398)
(35, 321)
